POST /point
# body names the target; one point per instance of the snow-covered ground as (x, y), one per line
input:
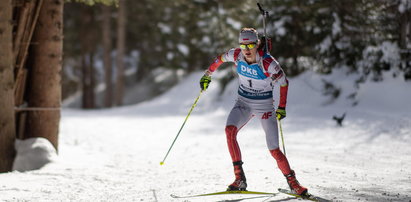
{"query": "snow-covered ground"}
(114, 155)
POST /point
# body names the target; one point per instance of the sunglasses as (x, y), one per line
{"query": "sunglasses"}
(247, 46)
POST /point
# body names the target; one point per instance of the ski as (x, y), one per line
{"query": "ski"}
(306, 196)
(226, 192)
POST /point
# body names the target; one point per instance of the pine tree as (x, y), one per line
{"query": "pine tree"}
(107, 48)
(121, 48)
(45, 79)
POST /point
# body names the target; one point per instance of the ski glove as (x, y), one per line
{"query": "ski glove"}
(205, 81)
(280, 113)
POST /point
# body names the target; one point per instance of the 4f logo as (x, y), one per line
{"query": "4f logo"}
(267, 115)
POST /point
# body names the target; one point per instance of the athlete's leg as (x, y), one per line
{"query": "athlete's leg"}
(238, 117)
(269, 124)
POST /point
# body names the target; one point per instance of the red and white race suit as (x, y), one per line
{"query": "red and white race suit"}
(255, 97)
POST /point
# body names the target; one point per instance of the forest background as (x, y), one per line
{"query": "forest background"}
(167, 40)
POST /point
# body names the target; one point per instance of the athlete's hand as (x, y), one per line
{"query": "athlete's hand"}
(205, 82)
(280, 113)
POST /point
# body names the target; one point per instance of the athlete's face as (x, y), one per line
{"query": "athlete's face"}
(249, 51)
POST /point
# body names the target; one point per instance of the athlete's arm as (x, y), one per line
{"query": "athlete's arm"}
(229, 56)
(278, 76)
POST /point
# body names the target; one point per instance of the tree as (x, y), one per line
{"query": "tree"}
(121, 46)
(7, 125)
(44, 85)
(88, 40)
(404, 8)
(108, 71)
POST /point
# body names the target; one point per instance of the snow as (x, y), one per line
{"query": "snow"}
(390, 53)
(183, 49)
(165, 29)
(234, 23)
(33, 153)
(279, 26)
(170, 56)
(404, 5)
(114, 154)
(325, 45)
(336, 25)
(182, 30)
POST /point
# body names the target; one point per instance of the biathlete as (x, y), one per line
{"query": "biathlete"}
(257, 73)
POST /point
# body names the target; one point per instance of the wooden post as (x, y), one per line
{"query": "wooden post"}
(7, 120)
(28, 16)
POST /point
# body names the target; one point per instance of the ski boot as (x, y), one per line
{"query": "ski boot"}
(295, 185)
(239, 183)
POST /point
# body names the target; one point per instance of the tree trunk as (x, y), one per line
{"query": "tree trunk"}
(87, 43)
(108, 71)
(403, 30)
(121, 37)
(7, 124)
(88, 81)
(45, 80)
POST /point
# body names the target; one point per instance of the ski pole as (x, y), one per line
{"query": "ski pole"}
(192, 107)
(265, 14)
(281, 133)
